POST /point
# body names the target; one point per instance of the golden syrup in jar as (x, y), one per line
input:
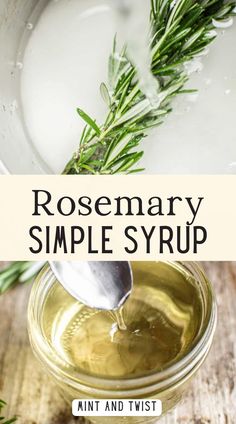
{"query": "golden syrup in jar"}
(155, 328)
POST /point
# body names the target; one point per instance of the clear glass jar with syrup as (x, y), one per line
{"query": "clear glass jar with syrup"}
(149, 349)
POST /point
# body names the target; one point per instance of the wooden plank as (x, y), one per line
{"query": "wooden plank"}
(211, 398)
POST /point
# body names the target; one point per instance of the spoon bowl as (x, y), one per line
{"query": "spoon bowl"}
(102, 285)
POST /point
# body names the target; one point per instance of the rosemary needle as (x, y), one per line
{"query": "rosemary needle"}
(181, 30)
(3, 419)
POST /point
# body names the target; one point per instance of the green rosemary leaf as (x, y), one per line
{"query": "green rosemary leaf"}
(83, 136)
(135, 171)
(116, 149)
(127, 163)
(89, 152)
(123, 91)
(226, 9)
(105, 94)
(187, 91)
(89, 121)
(180, 31)
(122, 159)
(193, 39)
(135, 112)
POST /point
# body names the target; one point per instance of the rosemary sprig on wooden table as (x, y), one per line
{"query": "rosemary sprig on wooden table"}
(181, 30)
(3, 419)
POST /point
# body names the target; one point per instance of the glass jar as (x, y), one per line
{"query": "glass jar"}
(167, 384)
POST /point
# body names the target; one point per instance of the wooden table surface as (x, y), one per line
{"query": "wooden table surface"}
(211, 399)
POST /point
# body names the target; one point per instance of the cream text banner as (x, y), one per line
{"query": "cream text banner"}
(134, 217)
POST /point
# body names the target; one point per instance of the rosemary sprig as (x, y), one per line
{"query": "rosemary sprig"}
(181, 30)
(3, 419)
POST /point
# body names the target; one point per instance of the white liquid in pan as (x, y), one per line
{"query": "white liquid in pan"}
(66, 60)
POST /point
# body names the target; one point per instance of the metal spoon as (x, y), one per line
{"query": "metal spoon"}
(101, 285)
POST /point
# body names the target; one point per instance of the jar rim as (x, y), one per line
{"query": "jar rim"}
(160, 379)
